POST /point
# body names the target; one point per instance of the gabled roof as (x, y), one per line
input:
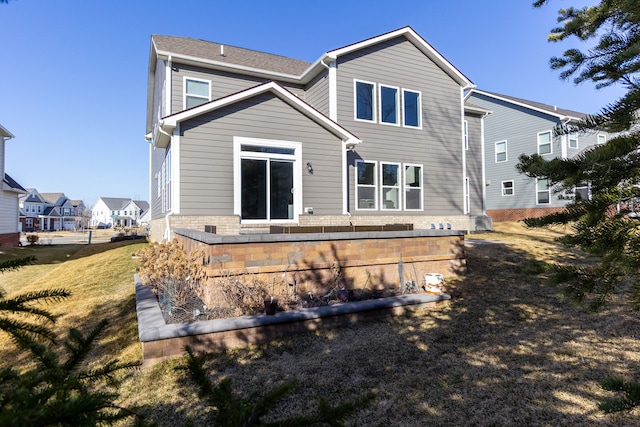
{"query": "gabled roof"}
(115, 203)
(53, 198)
(274, 67)
(9, 184)
(32, 196)
(418, 42)
(552, 110)
(169, 123)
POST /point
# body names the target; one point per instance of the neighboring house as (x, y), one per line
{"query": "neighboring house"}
(50, 212)
(370, 133)
(11, 190)
(110, 212)
(517, 126)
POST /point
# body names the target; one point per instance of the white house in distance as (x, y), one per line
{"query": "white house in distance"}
(11, 190)
(110, 212)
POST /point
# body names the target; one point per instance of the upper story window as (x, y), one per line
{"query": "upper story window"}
(501, 151)
(412, 111)
(39, 208)
(389, 105)
(602, 138)
(365, 101)
(544, 143)
(573, 140)
(196, 92)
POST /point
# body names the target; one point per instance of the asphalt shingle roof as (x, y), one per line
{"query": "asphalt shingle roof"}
(545, 107)
(232, 55)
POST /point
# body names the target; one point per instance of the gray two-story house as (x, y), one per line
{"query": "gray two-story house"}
(517, 126)
(376, 132)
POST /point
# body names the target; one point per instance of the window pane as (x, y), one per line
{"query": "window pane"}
(544, 143)
(271, 150)
(281, 196)
(391, 198)
(501, 151)
(390, 175)
(413, 187)
(411, 109)
(366, 173)
(195, 87)
(602, 139)
(193, 101)
(573, 140)
(364, 101)
(388, 105)
(366, 198)
(543, 191)
(253, 177)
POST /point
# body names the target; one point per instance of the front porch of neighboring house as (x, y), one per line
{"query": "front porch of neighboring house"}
(50, 223)
(124, 221)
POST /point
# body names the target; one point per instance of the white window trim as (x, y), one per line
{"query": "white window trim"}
(537, 192)
(374, 186)
(238, 142)
(419, 109)
(576, 139)
(404, 182)
(603, 136)
(184, 90)
(374, 107)
(398, 187)
(506, 151)
(513, 188)
(398, 114)
(550, 142)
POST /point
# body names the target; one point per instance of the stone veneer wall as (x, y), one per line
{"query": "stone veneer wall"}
(371, 260)
(230, 225)
(503, 215)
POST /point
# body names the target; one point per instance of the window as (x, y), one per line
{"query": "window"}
(501, 151)
(28, 222)
(602, 138)
(366, 185)
(507, 188)
(196, 92)
(389, 105)
(582, 192)
(412, 111)
(365, 101)
(412, 187)
(465, 127)
(390, 178)
(573, 140)
(544, 143)
(543, 193)
(66, 211)
(268, 172)
(39, 208)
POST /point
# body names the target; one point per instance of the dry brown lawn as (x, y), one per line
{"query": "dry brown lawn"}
(505, 351)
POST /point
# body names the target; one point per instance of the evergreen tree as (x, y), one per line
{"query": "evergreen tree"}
(602, 225)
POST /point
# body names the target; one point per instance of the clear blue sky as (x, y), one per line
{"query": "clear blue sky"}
(73, 79)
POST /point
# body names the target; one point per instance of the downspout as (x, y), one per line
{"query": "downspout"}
(345, 182)
(565, 137)
(333, 102)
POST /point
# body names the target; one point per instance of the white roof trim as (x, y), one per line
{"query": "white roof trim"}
(522, 104)
(169, 123)
(420, 43)
(5, 133)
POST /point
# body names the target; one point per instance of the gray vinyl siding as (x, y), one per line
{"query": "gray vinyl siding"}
(518, 126)
(222, 83)
(474, 163)
(437, 146)
(155, 204)
(206, 150)
(317, 93)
